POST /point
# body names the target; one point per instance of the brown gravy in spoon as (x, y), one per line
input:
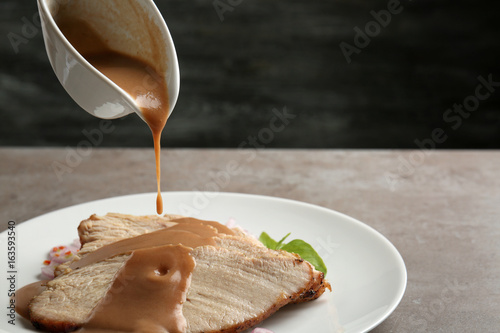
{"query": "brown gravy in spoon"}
(137, 78)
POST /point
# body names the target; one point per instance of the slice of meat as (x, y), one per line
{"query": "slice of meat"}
(98, 231)
(234, 285)
(68, 300)
(113, 226)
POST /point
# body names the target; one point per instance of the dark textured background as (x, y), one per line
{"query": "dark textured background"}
(269, 54)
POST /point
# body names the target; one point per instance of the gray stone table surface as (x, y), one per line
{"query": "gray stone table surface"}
(441, 209)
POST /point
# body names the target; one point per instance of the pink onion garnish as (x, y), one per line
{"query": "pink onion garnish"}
(48, 269)
(75, 246)
(59, 255)
(262, 330)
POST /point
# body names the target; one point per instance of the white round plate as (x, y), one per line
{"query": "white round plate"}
(367, 273)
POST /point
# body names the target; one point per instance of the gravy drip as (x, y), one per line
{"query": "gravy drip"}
(136, 77)
(148, 293)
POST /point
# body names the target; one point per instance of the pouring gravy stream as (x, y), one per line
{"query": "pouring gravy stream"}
(139, 79)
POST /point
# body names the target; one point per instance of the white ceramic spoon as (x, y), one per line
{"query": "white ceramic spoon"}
(127, 27)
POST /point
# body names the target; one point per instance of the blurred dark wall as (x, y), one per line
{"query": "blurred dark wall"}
(397, 90)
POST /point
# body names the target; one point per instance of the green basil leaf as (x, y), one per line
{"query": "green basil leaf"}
(297, 246)
(270, 243)
(306, 252)
(280, 243)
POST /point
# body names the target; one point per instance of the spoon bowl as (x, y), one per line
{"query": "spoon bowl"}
(134, 28)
